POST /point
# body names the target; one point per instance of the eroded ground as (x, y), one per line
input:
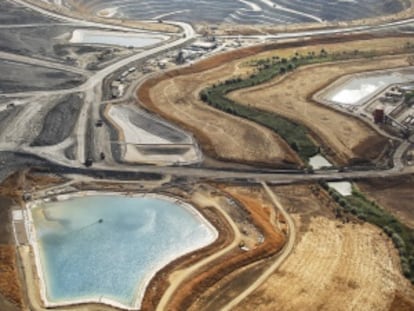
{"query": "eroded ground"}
(335, 265)
(256, 237)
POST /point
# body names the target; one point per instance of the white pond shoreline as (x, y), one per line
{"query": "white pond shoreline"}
(141, 284)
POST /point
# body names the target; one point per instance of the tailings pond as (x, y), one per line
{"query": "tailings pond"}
(106, 248)
(356, 89)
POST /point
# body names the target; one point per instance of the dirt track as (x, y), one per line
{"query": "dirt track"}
(193, 288)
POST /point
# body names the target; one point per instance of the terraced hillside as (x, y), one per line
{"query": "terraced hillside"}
(241, 11)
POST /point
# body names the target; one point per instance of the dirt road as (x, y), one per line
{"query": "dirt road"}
(284, 253)
(178, 277)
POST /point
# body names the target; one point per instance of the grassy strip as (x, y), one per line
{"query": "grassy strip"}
(366, 210)
(296, 135)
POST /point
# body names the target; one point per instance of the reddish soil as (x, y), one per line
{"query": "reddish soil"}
(10, 287)
(203, 280)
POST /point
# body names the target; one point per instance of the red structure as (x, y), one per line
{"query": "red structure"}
(379, 115)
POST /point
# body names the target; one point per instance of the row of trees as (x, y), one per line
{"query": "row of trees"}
(366, 210)
(296, 135)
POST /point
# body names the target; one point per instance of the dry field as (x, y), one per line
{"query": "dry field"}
(338, 44)
(175, 96)
(394, 194)
(289, 96)
(334, 266)
(230, 138)
(298, 198)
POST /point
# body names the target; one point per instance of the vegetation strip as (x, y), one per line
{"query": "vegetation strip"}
(296, 135)
(401, 235)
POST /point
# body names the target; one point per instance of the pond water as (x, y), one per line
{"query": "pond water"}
(343, 187)
(318, 162)
(360, 87)
(109, 247)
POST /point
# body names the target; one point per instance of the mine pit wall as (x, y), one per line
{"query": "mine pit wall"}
(230, 29)
(73, 8)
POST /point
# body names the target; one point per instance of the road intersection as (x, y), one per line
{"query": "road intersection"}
(93, 88)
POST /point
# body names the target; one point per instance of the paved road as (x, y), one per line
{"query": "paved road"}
(93, 86)
(120, 172)
(398, 155)
(93, 94)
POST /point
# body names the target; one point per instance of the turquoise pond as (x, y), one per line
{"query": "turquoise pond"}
(109, 247)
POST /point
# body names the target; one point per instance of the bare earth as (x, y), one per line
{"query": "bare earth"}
(231, 138)
(194, 293)
(175, 96)
(396, 195)
(289, 96)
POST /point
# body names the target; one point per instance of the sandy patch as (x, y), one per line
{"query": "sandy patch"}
(334, 267)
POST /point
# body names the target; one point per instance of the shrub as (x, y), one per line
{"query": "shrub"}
(342, 202)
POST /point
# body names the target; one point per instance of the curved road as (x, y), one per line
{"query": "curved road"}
(181, 275)
(282, 256)
(92, 88)
(93, 95)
